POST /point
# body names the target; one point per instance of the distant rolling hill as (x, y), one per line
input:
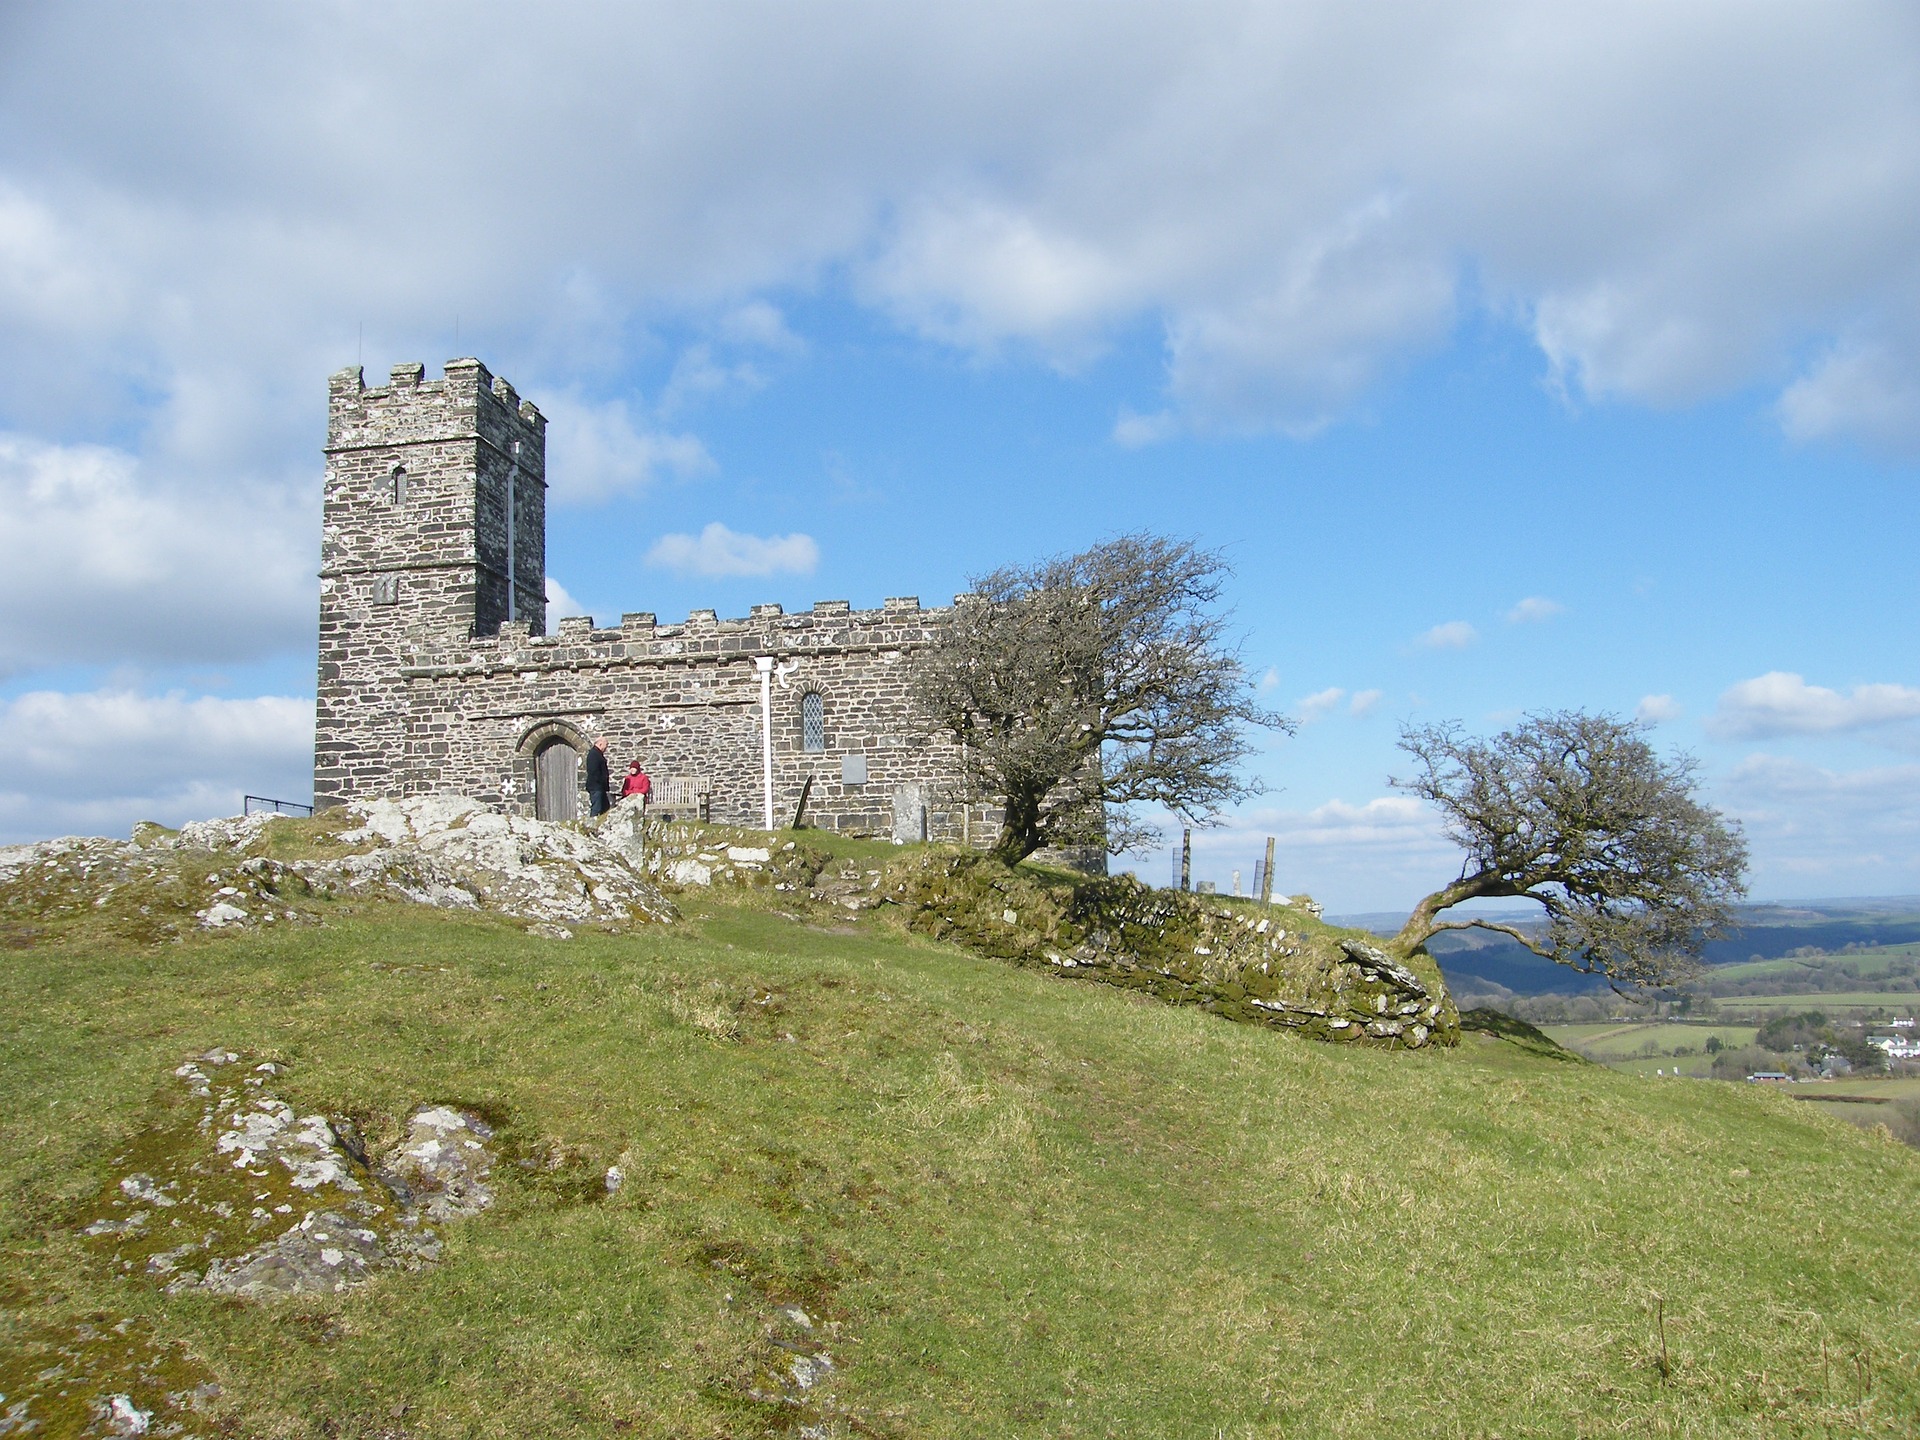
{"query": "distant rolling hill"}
(1766, 932)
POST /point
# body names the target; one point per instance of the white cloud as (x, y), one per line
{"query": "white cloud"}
(1136, 431)
(197, 211)
(1869, 390)
(1658, 709)
(559, 603)
(201, 215)
(1398, 820)
(104, 565)
(1815, 831)
(718, 551)
(1324, 702)
(1299, 349)
(975, 270)
(1313, 706)
(1451, 635)
(1780, 703)
(95, 763)
(1271, 680)
(594, 452)
(1534, 609)
(699, 375)
(761, 325)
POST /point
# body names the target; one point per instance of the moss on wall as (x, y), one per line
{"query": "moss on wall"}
(1264, 965)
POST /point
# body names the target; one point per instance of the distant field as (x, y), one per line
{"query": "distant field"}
(1612, 1040)
(1903, 1089)
(1897, 1002)
(1863, 962)
(1861, 1102)
(1622, 1047)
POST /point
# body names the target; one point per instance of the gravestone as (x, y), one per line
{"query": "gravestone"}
(909, 813)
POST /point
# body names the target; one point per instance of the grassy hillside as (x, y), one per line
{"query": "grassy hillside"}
(1006, 1203)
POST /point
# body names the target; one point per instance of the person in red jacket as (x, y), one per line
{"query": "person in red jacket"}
(636, 783)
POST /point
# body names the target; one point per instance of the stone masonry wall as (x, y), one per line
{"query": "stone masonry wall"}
(685, 700)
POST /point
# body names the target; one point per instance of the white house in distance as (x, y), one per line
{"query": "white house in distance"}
(1898, 1047)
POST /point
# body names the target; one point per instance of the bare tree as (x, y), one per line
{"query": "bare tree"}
(1578, 814)
(1083, 685)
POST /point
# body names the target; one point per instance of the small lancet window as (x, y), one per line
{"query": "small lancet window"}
(397, 485)
(813, 722)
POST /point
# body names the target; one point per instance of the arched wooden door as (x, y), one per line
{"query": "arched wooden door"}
(556, 784)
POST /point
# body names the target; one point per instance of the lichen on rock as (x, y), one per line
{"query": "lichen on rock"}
(241, 1195)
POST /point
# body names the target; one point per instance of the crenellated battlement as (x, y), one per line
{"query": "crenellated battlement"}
(410, 409)
(840, 611)
(831, 627)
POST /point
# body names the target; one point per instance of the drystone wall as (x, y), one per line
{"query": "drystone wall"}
(1276, 965)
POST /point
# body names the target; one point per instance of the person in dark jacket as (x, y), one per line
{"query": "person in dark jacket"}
(597, 776)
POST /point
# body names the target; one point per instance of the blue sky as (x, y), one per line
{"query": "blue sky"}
(1515, 361)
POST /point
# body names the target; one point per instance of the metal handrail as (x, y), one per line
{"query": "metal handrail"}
(265, 805)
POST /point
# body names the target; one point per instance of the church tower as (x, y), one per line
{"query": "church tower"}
(433, 532)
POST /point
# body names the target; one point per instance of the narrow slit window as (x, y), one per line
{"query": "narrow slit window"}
(813, 722)
(397, 485)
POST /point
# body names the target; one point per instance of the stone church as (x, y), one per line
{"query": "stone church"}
(437, 671)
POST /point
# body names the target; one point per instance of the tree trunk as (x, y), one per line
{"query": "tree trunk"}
(1019, 831)
(1421, 923)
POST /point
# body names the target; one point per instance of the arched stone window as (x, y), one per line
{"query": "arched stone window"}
(813, 722)
(397, 486)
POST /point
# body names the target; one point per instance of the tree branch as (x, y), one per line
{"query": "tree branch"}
(1544, 952)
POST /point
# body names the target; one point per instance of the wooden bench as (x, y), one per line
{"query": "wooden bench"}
(680, 798)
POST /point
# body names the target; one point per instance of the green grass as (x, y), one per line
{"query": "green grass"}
(1031, 1206)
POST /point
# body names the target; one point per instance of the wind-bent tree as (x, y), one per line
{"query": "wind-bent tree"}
(1083, 685)
(1578, 814)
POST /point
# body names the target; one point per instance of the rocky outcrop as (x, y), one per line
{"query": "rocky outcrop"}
(450, 847)
(226, 875)
(242, 1195)
(687, 856)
